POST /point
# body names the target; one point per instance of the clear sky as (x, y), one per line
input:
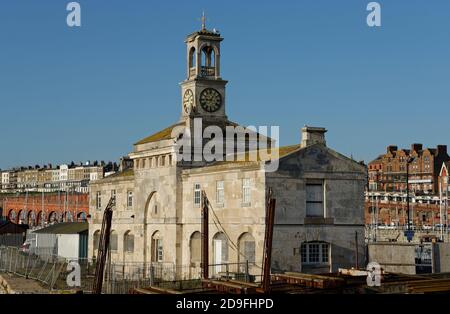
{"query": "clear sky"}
(89, 93)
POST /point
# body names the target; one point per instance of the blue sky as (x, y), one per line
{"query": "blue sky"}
(91, 92)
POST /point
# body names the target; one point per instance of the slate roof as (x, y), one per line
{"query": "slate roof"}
(164, 134)
(7, 227)
(282, 152)
(65, 228)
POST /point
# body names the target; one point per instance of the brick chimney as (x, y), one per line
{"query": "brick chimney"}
(391, 149)
(442, 150)
(313, 135)
(416, 147)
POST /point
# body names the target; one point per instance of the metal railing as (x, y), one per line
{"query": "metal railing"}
(204, 71)
(120, 277)
(246, 271)
(207, 71)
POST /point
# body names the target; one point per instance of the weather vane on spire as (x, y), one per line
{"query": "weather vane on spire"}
(203, 20)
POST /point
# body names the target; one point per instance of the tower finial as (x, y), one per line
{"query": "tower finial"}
(203, 20)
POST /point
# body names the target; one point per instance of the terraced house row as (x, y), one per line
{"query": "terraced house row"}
(46, 178)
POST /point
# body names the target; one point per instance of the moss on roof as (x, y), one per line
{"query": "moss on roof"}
(127, 173)
(120, 174)
(286, 150)
(282, 152)
(159, 136)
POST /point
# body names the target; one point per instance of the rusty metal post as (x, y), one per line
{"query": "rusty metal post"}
(103, 247)
(270, 217)
(247, 275)
(205, 237)
(356, 249)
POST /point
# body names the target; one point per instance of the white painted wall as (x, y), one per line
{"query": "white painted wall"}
(68, 245)
(63, 173)
(5, 177)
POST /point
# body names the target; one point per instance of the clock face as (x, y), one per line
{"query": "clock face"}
(210, 100)
(188, 100)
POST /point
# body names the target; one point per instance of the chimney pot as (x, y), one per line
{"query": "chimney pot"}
(416, 147)
(442, 149)
(313, 135)
(391, 148)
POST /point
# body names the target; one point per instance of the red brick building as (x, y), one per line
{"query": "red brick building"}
(43, 208)
(388, 171)
(386, 197)
(391, 209)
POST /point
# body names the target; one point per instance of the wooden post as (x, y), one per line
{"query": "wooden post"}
(205, 237)
(270, 217)
(247, 275)
(356, 250)
(103, 247)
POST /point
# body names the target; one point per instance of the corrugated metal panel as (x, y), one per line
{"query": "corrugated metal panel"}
(83, 245)
(46, 244)
(68, 246)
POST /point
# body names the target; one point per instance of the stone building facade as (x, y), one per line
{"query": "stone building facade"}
(157, 219)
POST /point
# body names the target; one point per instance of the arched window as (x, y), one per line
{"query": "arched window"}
(22, 216)
(128, 242)
(52, 217)
(192, 58)
(113, 241)
(82, 216)
(220, 247)
(154, 206)
(208, 56)
(68, 217)
(246, 244)
(39, 218)
(32, 218)
(195, 247)
(96, 238)
(157, 247)
(12, 216)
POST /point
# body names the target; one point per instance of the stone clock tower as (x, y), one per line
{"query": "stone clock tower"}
(203, 91)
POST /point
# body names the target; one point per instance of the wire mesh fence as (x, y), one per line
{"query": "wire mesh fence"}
(56, 273)
(11, 240)
(247, 272)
